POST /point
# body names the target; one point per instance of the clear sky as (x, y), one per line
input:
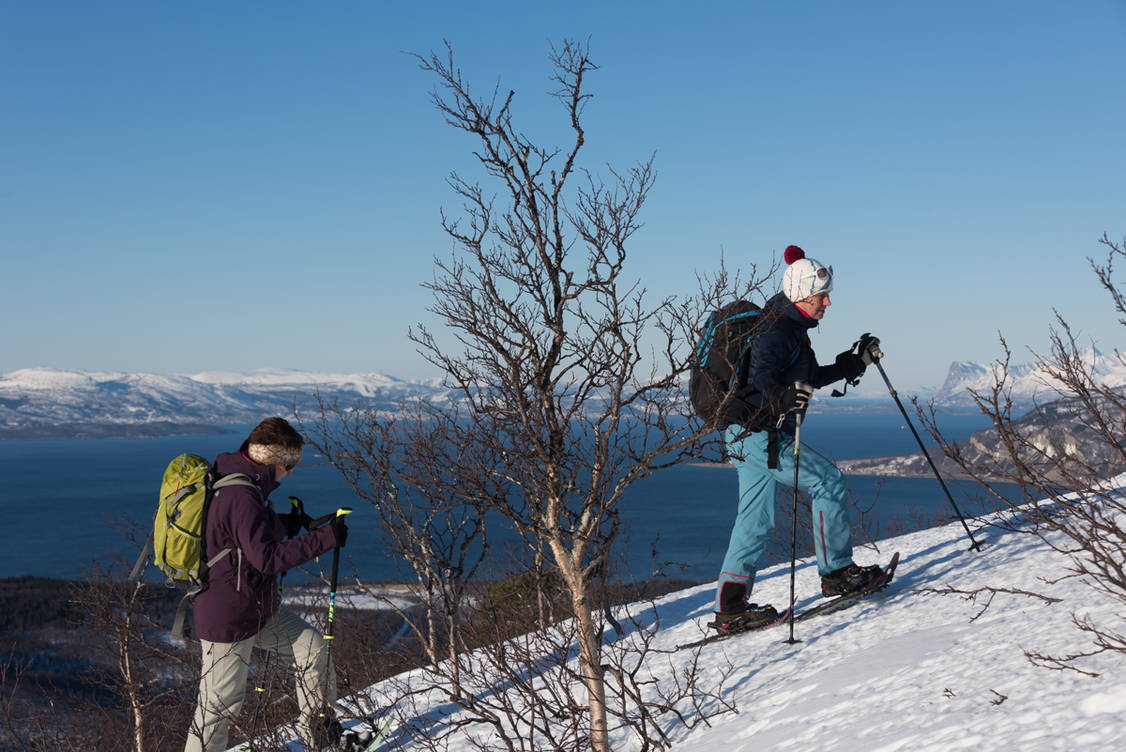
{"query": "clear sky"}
(216, 185)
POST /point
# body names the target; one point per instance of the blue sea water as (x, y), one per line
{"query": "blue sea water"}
(69, 505)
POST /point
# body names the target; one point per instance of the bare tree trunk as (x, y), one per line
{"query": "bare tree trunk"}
(131, 684)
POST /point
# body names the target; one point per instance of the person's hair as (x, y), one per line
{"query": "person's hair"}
(274, 432)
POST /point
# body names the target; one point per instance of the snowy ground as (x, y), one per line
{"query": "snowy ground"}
(368, 598)
(907, 669)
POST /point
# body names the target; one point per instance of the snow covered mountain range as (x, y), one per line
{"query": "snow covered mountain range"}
(47, 402)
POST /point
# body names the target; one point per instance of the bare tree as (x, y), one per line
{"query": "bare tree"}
(429, 483)
(563, 363)
(132, 689)
(1064, 497)
(566, 386)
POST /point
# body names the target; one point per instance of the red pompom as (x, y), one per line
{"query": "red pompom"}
(792, 254)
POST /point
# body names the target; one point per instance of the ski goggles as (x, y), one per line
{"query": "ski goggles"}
(822, 273)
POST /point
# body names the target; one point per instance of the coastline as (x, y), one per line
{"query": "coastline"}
(895, 466)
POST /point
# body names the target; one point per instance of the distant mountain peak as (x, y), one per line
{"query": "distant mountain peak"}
(1029, 382)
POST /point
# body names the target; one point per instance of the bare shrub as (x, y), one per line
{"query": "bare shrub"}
(1060, 456)
(121, 684)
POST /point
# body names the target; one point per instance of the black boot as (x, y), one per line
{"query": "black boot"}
(327, 732)
(849, 580)
(749, 616)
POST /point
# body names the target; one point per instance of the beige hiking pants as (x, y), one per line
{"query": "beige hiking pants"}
(222, 686)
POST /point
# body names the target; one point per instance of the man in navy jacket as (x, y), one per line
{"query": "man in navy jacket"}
(782, 375)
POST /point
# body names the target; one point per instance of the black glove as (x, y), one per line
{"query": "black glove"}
(863, 353)
(852, 366)
(340, 529)
(869, 349)
(795, 398)
(296, 521)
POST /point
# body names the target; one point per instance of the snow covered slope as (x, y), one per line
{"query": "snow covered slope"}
(907, 670)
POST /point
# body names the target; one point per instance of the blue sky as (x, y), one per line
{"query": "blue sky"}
(206, 185)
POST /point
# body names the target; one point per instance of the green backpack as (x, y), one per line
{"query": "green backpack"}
(177, 533)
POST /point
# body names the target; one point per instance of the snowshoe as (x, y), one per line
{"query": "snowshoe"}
(849, 580)
(750, 616)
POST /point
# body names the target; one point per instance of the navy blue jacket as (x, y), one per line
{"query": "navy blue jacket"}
(781, 354)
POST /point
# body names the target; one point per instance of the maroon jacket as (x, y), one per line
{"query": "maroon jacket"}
(241, 590)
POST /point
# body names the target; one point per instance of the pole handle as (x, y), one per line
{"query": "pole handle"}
(325, 519)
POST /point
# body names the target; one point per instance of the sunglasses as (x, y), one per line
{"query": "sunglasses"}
(825, 271)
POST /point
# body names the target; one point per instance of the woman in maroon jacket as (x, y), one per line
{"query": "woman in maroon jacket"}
(239, 608)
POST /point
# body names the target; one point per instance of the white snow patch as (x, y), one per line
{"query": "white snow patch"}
(1113, 701)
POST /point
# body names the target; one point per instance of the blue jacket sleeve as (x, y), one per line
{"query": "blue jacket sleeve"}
(824, 375)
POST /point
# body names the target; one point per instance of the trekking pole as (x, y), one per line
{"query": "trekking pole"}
(975, 546)
(335, 576)
(331, 621)
(794, 527)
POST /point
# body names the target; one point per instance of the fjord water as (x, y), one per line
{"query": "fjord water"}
(71, 504)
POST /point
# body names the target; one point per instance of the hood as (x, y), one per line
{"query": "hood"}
(237, 462)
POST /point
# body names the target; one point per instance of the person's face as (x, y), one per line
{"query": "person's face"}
(281, 471)
(815, 305)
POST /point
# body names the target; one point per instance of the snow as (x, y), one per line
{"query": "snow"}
(908, 669)
(275, 377)
(45, 397)
(1028, 381)
(39, 379)
(1113, 701)
(367, 598)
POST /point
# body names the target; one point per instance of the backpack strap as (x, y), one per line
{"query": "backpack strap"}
(135, 575)
(182, 614)
(234, 479)
(185, 603)
(772, 447)
(178, 624)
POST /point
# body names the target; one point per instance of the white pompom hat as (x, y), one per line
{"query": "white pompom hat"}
(804, 276)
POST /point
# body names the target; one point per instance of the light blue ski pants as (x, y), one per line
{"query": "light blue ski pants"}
(817, 477)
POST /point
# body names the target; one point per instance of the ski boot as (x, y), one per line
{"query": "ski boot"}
(748, 616)
(334, 739)
(354, 741)
(329, 736)
(849, 580)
